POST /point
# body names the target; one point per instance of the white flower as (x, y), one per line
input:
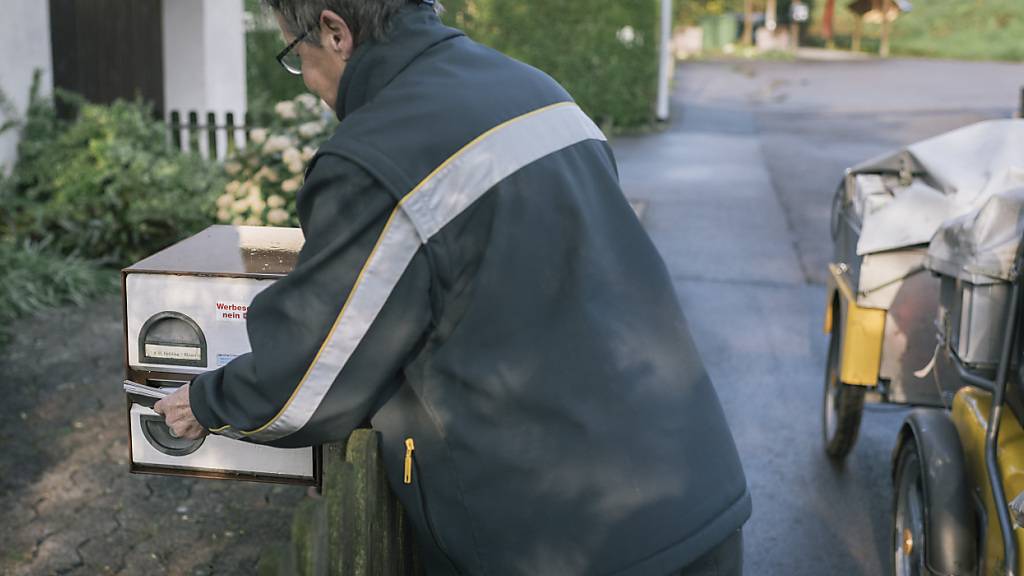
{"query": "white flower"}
(275, 201)
(258, 136)
(266, 173)
(232, 168)
(238, 220)
(233, 187)
(243, 190)
(225, 201)
(277, 216)
(291, 185)
(626, 35)
(254, 221)
(257, 205)
(277, 144)
(224, 216)
(240, 206)
(297, 167)
(311, 129)
(286, 110)
(291, 156)
(308, 101)
(307, 153)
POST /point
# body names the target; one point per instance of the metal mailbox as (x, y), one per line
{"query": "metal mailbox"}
(184, 314)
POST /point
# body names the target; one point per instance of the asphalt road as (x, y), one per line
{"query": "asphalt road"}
(737, 192)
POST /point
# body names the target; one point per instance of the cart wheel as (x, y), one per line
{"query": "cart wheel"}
(843, 404)
(908, 516)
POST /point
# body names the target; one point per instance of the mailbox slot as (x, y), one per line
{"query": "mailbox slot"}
(172, 338)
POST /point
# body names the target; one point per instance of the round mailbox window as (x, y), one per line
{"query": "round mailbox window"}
(172, 338)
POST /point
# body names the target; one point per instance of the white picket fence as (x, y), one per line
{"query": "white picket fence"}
(211, 135)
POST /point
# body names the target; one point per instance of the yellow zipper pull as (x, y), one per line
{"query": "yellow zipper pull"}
(409, 447)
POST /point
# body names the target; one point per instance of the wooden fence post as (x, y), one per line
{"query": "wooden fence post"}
(175, 130)
(210, 132)
(357, 528)
(233, 135)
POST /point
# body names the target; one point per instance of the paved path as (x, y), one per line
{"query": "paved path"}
(738, 192)
(69, 504)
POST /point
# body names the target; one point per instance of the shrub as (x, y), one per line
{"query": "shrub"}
(104, 185)
(268, 172)
(36, 278)
(604, 52)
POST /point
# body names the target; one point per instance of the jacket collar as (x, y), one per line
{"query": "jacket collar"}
(373, 65)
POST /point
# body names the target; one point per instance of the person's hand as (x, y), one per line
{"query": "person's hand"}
(177, 413)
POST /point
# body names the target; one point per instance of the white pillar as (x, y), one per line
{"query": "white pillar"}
(25, 47)
(665, 61)
(204, 61)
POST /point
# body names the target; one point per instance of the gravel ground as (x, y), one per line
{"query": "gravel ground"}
(71, 506)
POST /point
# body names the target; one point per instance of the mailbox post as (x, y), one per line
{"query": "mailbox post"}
(357, 527)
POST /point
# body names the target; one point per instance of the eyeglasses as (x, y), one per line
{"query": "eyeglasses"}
(289, 59)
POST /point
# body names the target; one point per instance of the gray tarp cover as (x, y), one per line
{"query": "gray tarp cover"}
(980, 246)
(962, 193)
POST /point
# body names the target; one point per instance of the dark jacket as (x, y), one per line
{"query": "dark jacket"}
(475, 285)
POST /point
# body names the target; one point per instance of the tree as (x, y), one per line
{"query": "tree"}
(748, 22)
(827, 19)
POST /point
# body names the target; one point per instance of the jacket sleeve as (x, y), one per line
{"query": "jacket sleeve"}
(343, 211)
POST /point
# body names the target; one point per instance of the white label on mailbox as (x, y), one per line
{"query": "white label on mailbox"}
(173, 352)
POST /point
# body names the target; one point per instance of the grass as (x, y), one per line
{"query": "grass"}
(36, 279)
(960, 29)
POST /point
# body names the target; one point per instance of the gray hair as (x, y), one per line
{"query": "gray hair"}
(367, 19)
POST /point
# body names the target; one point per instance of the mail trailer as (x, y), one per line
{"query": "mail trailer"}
(925, 310)
(891, 302)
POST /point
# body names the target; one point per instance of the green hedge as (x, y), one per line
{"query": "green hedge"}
(604, 52)
(267, 82)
